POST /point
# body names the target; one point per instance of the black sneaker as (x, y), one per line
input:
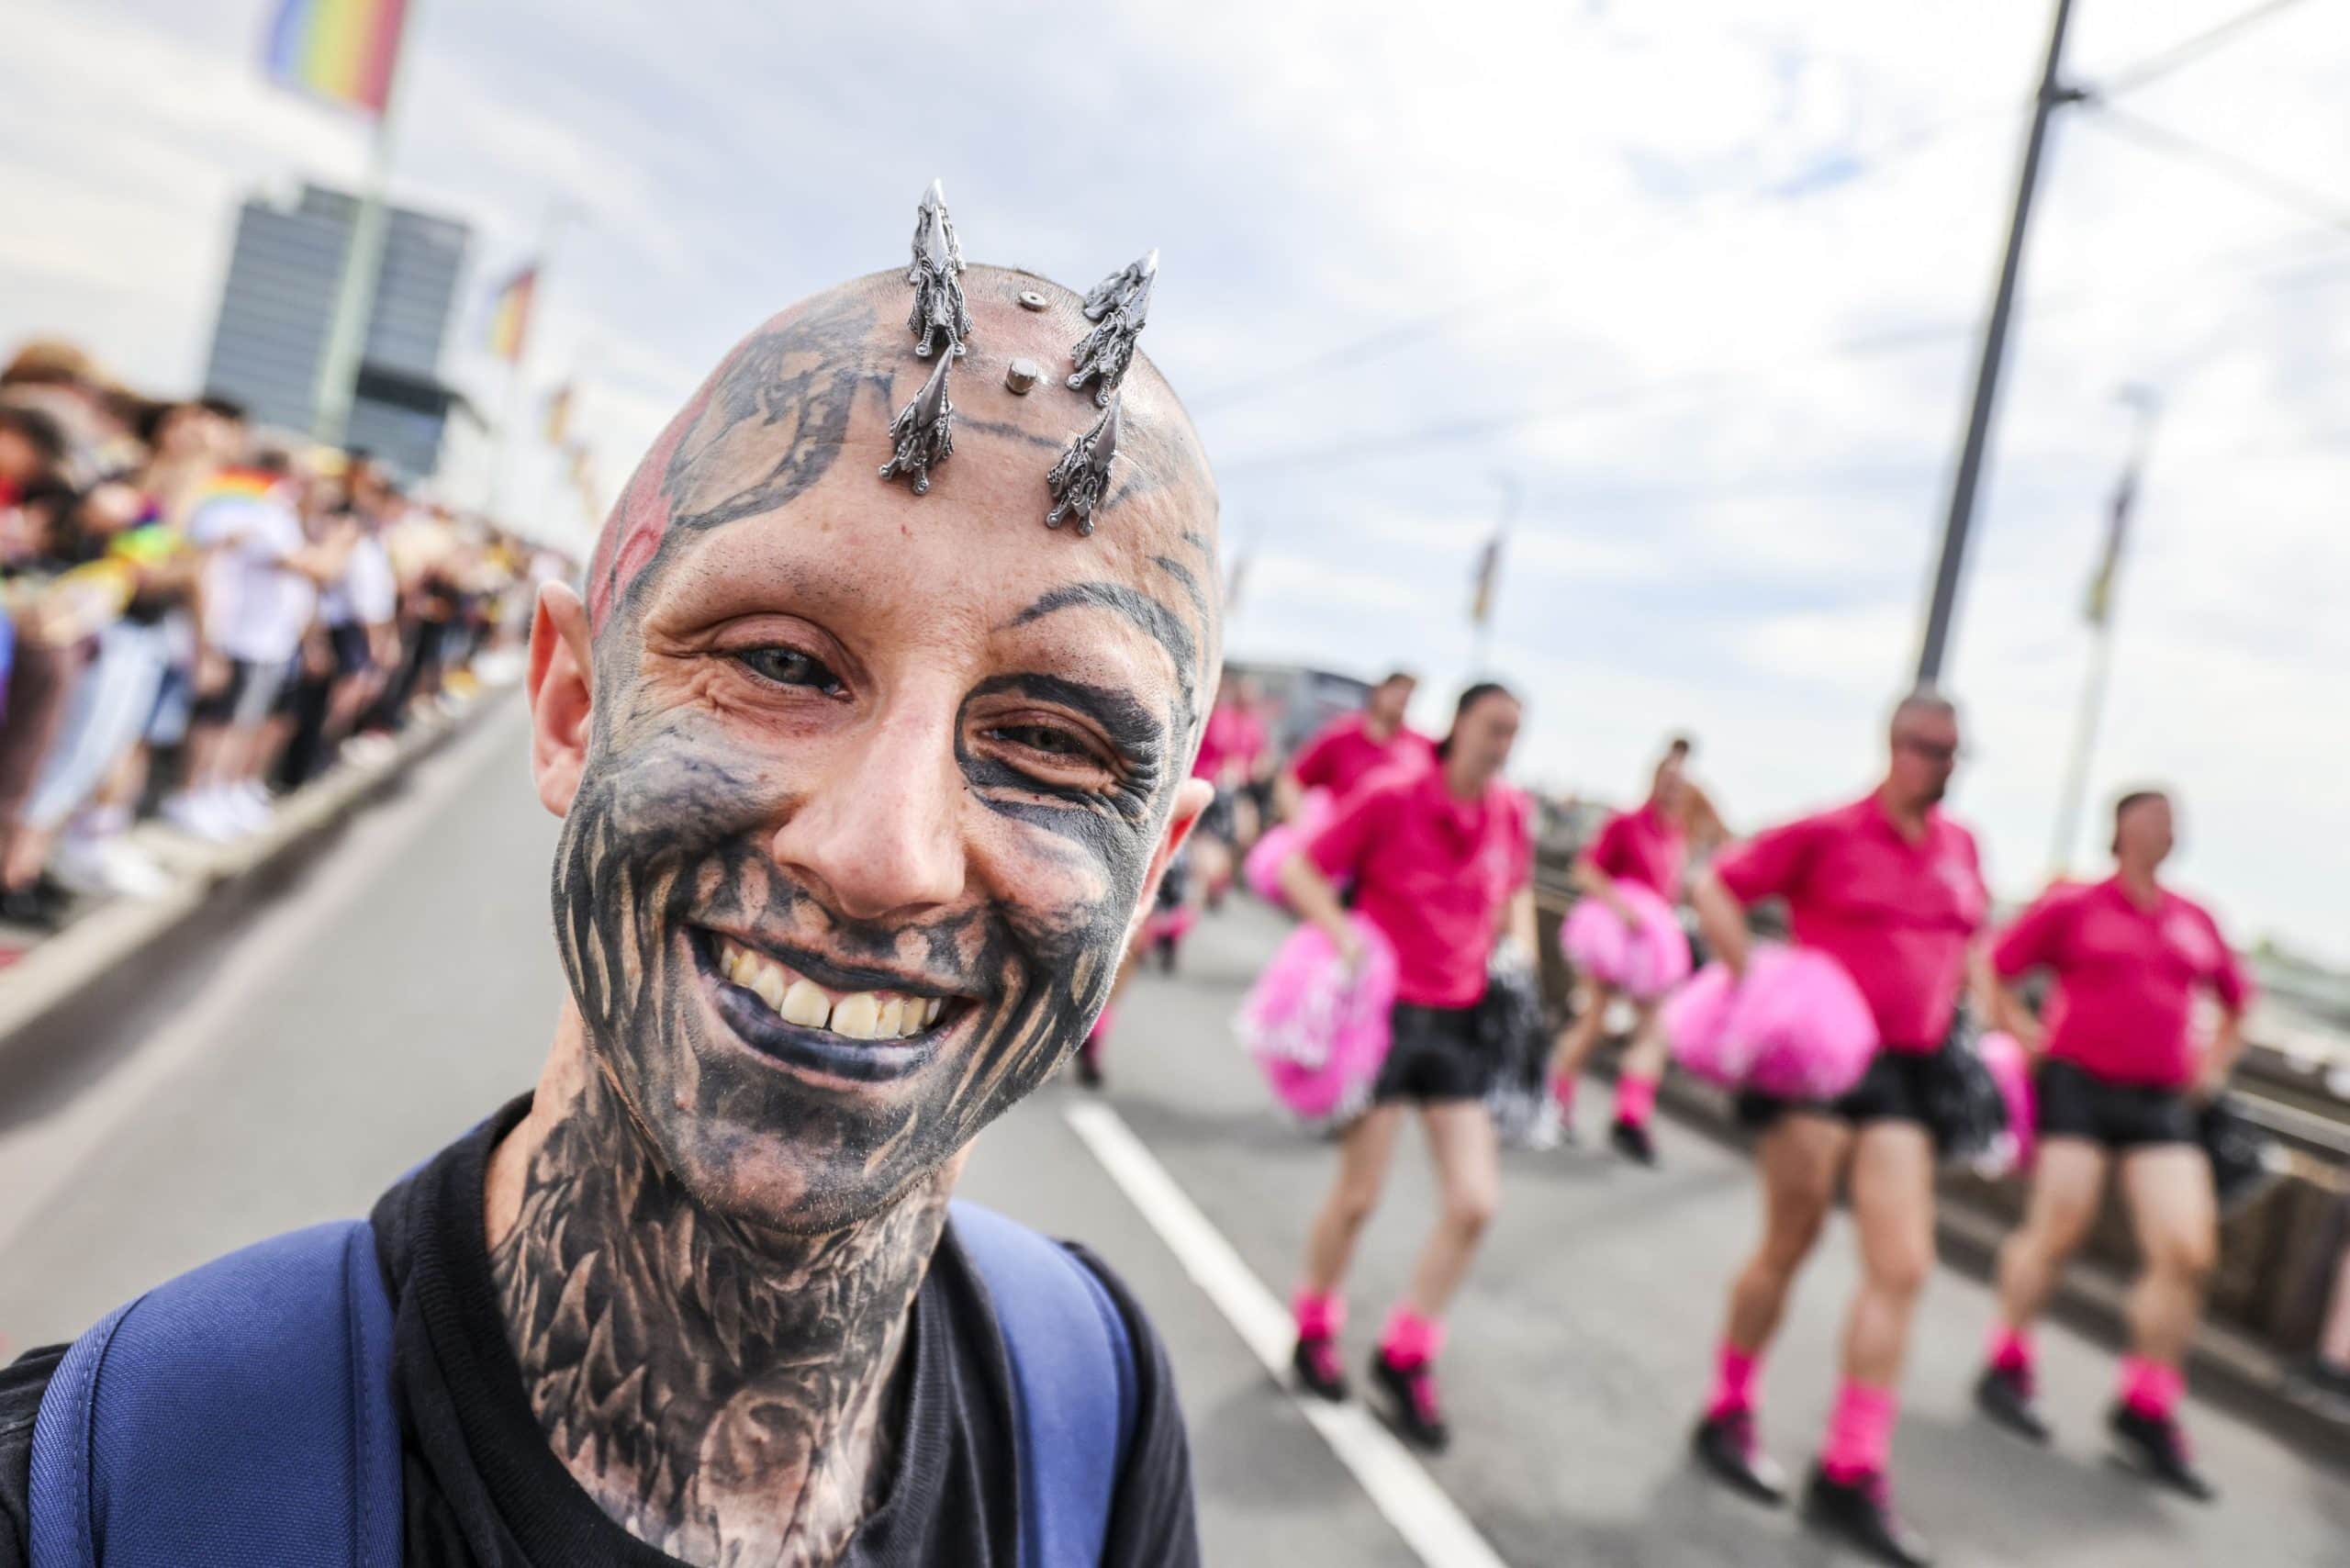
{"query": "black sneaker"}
(1319, 1370)
(1724, 1444)
(1632, 1141)
(1089, 1065)
(1167, 955)
(1860, 1511)
(2004, 1394)
(2155, 1445)
(1418, 1413)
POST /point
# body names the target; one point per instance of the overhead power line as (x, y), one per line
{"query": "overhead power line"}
(2318, 207)
(2155, 67)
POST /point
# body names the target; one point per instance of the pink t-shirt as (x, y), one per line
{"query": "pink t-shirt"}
(1343, 753)
(2125, 978)
(1433, 873)
(1233, 735)
(1896, 915)
(1644, 847)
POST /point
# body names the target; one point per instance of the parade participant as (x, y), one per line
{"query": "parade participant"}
(1645, 847)
(1893, 889)
(1442, 863)
(1353, 747)
(1230, 752)
(2119, 1081)
(863, 787)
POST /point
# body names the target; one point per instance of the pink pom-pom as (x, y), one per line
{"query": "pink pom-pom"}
(1319, 1032)
(1797, 1026)
(2011, 1068)
(1644, 959)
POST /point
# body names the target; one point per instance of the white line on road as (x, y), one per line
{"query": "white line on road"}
(1430, 1522)
(39, 1158)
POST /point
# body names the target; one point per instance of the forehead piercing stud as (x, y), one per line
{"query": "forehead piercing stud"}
(1032, 300)
(1120, 308)
(923, 433)
(1081, 478)
(936, 276)
(1022, 375)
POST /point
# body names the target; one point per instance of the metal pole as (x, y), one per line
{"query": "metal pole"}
(559, 212)
(2074, 795)
(1986, 379)
(354, 301)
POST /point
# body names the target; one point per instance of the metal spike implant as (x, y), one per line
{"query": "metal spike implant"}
(936, 276)
(1119, 306)
(1080, 480)
(922, 435)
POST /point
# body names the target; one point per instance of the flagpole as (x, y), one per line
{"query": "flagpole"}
(362, 256)
(2093, 686)
(558, 212)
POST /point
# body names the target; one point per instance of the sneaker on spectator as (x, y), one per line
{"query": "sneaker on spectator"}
(199, 816)
(246, 807)
(96, 866)
(370, 750)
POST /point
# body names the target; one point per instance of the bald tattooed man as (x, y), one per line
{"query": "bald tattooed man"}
(866, 772)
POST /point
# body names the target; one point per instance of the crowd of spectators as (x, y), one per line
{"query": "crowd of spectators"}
(197, 616)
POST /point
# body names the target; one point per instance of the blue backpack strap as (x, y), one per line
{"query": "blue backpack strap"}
(1072, 1379)
(240, 1415)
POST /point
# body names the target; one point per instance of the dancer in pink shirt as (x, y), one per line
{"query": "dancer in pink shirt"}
(1442, 865)
(2120, 1077)
(1894, 891)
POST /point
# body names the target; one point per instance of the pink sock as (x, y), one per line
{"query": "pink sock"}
(1410, 1340)
(1860, 1432)
(1562, 1093)
(1102, 1024)
(1321, 1314)
(2151, 1388)
(2011, 1349)
(1733, 1382)
(1635, 1098)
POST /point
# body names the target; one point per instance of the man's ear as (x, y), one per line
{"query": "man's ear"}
(1192, 798)
(561, 700)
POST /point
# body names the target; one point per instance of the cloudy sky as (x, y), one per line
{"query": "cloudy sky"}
(1695, 280)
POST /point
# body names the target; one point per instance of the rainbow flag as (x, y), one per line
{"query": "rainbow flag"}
(509, 315)
(341, 50)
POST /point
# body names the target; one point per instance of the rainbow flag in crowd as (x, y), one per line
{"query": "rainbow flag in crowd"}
(509, 315)
(559, 415)
(341, 50)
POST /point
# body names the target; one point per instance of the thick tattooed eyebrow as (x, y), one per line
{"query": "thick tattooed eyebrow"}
(1139, 608)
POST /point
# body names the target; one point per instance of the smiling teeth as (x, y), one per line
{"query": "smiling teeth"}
(863, 1015)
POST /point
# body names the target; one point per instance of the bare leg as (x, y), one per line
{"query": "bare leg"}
(2176, 1217)
(1468, 1174)
(1647, 1055)
(1581, 1038)
(2066, 1179)
(1363, 1156)
(1798, 1159)
(1893, 1209)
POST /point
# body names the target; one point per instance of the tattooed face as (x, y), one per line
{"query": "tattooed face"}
(873, 785)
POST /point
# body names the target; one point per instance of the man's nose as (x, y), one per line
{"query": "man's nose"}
(882, 833)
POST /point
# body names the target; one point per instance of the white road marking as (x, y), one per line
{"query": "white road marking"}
(40, 1158)
(1430, 1522)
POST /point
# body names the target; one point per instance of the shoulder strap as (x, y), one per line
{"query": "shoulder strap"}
(240, 1413)
(1073, 1381)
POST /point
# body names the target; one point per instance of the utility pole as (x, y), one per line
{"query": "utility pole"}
(2144, 402)
(2051, 95)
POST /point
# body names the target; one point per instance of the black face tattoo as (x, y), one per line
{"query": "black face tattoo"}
(715, 1250)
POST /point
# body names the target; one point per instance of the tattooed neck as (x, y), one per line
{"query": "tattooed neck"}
(720, 1392)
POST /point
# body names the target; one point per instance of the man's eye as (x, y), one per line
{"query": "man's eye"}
(789, 667)
(1044, 738)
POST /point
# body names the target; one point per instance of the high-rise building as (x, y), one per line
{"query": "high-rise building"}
(283, 277)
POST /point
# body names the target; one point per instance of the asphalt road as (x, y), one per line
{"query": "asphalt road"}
(404, 984)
